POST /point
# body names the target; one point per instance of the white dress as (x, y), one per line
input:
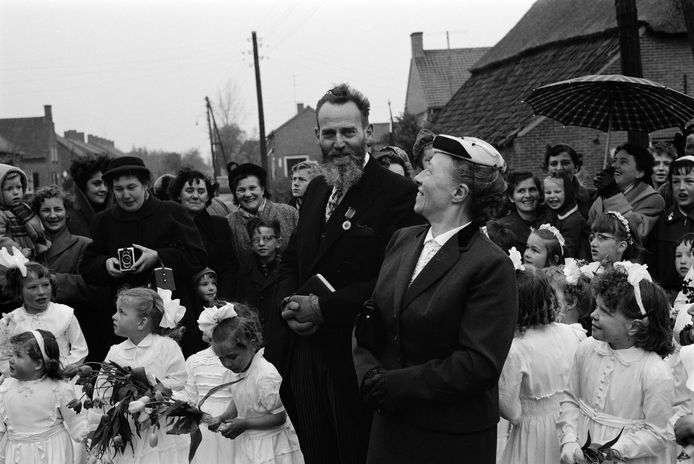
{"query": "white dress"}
(58, 319)
(534, 377)
(205, 372)
(34, 417)
(256, 395)
(611, 389)
(162, 358)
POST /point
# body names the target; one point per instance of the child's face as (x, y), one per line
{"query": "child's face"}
(232, 356)
(265, 243)
(683, 258)
(12, 191)
(683, 189)
(611, 327)
(207, 288)
(127, 321)
(554, 193)
(661, 168)
(36, 293)
(536, 253)
(22, 366)
(606, 247)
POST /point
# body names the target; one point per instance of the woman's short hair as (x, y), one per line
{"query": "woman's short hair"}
(643, 158)
(82, 169)
(555, 150)
(51, 191)
(187, 175)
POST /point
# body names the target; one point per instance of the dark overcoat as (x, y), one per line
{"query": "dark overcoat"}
(447, 336)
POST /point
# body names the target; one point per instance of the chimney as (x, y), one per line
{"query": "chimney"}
(417, 45)
(48, 112)
(299, 107)
(74, 135)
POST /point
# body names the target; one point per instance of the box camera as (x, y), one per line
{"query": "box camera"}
(126, 258)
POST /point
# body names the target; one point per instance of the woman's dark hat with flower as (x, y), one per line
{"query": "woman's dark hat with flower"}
(123, 164)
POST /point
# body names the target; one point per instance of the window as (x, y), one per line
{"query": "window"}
(35, 179)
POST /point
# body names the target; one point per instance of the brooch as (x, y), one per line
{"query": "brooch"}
(348, 215)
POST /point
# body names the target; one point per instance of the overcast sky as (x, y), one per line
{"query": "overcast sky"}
(137, 72)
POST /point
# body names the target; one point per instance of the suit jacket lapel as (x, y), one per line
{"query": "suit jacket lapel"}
(360, 198)
(408, 260)
(443, 260)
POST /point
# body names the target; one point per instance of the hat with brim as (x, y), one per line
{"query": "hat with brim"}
(237, 172)
(470, 149)
(123, 164)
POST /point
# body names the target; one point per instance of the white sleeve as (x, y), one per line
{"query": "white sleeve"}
(176, 375)
(509, 387)
(569, 411)
(78, 344)
(76, 423)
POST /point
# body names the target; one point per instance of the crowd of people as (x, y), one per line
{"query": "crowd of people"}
(391, 312)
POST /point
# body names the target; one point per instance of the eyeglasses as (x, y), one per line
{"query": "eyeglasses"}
(601, 237)
(262, 238)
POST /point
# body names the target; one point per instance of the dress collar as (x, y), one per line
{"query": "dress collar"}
(625, 356)
(145, 342)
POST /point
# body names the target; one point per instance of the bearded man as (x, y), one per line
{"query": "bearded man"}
(347, 218)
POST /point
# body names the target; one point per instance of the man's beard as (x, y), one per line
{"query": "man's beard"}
(343, 176)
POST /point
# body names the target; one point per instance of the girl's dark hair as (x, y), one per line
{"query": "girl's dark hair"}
(537, 303)
(654, 333)
(50, 345)
(609, 224)
(680, 167)
(643, 158)
(15, 280)
(149, 304)
(187, 175)
(553, 247)
(51, 191)
(578, 295)
(687, 239)
(502, 235)
(82, 169)
(244, 329)
(554, 150)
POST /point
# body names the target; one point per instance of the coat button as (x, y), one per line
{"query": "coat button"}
(396, 338)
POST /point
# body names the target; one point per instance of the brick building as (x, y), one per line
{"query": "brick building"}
(293, 142)
(554, 41)
(435, 75)
(35, 141)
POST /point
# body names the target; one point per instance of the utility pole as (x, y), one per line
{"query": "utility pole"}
(261, 116)
(688, 12)
(630, 50)
(392, 126)
(215, 139)
(215, 168)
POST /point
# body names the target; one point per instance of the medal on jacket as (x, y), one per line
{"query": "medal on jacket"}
(348, 215)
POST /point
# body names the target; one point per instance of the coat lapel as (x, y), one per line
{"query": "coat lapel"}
(360, 198)
(438, 266)
(408, 260)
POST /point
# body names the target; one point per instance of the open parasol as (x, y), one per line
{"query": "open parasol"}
(612, 102)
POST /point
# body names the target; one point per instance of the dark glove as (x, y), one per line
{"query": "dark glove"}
(605, 184)
(373, 387)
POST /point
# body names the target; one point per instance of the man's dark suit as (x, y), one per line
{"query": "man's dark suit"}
(446, 339)
(320, 388)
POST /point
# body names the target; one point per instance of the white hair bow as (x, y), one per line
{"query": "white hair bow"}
(572, 272)
(556, 233)
(173, 311)
(516, 259)
(210, 317)
(16, 259)
(635, 274)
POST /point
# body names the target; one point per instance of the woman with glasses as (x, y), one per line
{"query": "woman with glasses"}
(613, 238)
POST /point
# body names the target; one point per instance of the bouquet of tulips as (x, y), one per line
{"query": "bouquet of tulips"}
(133, 402)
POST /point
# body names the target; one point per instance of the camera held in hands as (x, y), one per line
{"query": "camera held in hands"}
(126, 258)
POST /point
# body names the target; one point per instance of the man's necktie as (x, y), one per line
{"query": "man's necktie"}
(333, 201)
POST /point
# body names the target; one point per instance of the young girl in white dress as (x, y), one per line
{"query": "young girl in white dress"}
(140, 317)
(33, 404)
(574, 298)
(256, 418)
(535, 373)
(619, 379)
(31, 283)
(206, 372)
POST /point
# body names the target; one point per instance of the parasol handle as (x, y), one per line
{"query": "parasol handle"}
(607, 141)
